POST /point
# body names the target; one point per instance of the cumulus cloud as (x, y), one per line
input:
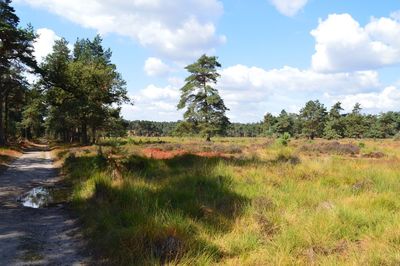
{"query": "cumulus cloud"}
(156, 67)
(250, 92)
(154, 103)
(342, 44)
(180, 29)
(387, 99)
(395, 15)
(289, 79)
(289, 7)
(44, 43)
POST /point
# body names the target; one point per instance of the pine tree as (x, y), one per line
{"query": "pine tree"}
(205, 108)
(313, 117)
(16, 57)
(335, 127)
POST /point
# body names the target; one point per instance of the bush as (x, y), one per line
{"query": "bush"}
(99, 162)
(396, 137)
(284, 139)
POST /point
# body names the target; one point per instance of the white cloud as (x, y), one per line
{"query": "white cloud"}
(395, 15)
(289, 7)
(153, 92)
(154, 103)
(44, 43)
(156, 67)
(241, 77)
(180, 29)
(250, 92)
(343, 45)
(386, 100)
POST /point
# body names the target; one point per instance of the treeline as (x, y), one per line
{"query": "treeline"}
(313, 121)
(164, 129)
(152, 128)
(78, 93)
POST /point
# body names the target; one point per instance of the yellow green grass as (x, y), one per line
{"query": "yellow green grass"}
(266, 205)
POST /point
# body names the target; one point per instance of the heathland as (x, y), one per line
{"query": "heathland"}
(238, 201)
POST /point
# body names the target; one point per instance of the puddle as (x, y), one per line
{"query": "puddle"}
(42, 197)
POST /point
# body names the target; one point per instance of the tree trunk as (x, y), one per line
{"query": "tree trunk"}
(84, 136)
(2, 138)
(94, 134)
(5, 117)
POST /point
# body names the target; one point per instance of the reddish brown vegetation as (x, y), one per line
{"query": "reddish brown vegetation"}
(159, 154)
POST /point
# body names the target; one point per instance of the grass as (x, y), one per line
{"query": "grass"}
(7, 155)
(265, 205)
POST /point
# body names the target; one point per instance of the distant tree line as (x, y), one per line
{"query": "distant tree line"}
(151, 128)
(313, 121)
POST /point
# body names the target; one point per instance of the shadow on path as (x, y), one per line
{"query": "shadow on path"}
(47, 236)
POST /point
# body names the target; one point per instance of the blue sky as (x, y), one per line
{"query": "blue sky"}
(276, 54)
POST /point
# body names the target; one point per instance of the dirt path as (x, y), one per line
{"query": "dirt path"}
(47, 236)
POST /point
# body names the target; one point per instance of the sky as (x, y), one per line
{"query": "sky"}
(275, 54)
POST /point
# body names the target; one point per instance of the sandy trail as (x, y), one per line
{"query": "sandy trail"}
(47, 236)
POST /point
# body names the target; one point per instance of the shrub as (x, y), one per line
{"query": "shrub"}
(284, 139)
(396, 137)
(99, 162)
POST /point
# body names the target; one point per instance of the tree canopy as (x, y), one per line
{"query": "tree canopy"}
(205, 109)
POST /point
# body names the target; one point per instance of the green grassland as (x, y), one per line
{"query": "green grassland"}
(238, 201)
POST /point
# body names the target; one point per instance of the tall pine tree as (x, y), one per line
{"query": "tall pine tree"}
(205, 109)
(16, 57)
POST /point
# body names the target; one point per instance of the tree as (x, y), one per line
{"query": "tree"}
(334, 128)
(269, 123)
(205, 108)
(33, 114)
(16, 57)
(83, 90)
(355, 123)
(284, 123)
(313, 117)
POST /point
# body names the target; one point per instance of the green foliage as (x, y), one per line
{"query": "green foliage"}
(284, 139)
(284, 123)
(82, 90)
(355, 123)
(313, 117)
(205, 109)
(16, 57)
(33, 115)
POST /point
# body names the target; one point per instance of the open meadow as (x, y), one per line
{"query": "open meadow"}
(238, 201)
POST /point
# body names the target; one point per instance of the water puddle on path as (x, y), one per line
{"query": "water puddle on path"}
(42, 197)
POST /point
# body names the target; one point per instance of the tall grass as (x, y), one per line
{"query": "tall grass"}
(270, 205)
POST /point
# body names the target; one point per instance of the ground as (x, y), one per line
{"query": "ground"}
(46, 236)
(239, 201)
(235, 201)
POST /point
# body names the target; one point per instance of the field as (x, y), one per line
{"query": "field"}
(146, 201)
